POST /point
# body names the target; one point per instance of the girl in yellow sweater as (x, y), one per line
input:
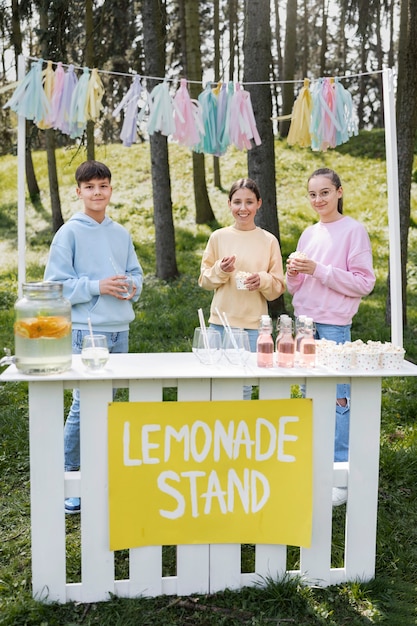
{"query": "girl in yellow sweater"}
(242, 264)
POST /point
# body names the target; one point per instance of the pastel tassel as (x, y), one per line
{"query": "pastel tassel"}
(48, 79)
(242, 121)
(224, 104)
(299, 132)
(161, 111)
(188, 121)
(95, 93)
(62, 116)
(344, 114)
(323, 121)
(78, 113)
(129, 104)
(208, 103)
(57, 93)
(29, 98)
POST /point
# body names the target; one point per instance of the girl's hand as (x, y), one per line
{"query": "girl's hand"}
(301, 266)
(227, 264)
(253, 282)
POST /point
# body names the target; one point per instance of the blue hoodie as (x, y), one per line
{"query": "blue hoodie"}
(82, 253)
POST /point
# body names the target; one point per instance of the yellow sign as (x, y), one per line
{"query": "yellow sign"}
(210, 472)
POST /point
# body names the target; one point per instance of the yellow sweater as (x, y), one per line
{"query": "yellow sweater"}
(256, 251)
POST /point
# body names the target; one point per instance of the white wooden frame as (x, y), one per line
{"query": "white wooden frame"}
(392, 192)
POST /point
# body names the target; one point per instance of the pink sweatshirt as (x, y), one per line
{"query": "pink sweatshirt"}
(344, 272)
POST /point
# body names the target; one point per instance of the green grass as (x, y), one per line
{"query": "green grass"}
(166, 315)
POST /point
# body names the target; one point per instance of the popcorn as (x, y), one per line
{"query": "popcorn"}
(297, 254)
(369, 356)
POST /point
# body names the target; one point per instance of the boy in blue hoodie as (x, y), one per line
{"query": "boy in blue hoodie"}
(91, 255)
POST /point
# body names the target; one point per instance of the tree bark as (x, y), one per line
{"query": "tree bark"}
(16, 41)
(89, 61)
(289, 63)
(406, 107)
(261, 159)
(154, 47)
(57, 219)
(193, 70)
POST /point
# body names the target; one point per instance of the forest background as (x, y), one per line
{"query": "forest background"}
(267, 45)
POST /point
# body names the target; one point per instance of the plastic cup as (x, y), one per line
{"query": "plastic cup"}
(95, 352)
(207, 345)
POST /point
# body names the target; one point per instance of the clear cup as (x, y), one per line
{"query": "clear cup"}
(207, 346)
(128, 284)
(236, 346)
(95, 352)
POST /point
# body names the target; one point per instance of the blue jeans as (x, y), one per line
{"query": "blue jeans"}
(340, 334)
(117, 342)
(253, 336)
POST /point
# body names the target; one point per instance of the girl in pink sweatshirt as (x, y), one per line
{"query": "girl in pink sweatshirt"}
(328, 281)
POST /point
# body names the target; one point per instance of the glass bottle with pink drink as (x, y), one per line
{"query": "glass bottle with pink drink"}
(308, 344)
(265, 343)
(286, 344)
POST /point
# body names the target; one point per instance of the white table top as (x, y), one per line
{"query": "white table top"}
(180, 365)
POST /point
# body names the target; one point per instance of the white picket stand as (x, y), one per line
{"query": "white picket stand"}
(200, 568)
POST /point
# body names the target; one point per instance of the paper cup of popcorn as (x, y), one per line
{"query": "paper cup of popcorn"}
(392, 357)
(324, 351)
(240, 279)
(341, 358)
(368, 359)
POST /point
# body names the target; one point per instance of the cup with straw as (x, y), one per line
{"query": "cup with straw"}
(235, 342)
(95, 352)
(206, 342)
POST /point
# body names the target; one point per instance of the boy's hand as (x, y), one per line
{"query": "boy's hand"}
(116, 286)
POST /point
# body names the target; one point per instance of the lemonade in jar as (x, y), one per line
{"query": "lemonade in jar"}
(42, 329)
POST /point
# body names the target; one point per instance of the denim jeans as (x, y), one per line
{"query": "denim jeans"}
(117, 342)
(253, 336)
(340, 334)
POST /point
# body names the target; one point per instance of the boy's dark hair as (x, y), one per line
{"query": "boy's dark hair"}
(91, 169)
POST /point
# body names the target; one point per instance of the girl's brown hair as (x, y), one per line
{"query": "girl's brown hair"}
(245, 183)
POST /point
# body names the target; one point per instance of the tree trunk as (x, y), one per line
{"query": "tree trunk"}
(16, 41)
(89, 61)
(261, 159)
(57, 219)
(154, 48)
(193, 70)
(32, 183)
(216, 31)
(289, 63)
(323, 46)
(406, 107)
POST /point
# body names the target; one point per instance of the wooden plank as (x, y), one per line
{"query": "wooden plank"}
(46, 420)
(361, 510)
(315, 561)
(97, 561)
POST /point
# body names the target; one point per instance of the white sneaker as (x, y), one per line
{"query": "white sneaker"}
(339, 496)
